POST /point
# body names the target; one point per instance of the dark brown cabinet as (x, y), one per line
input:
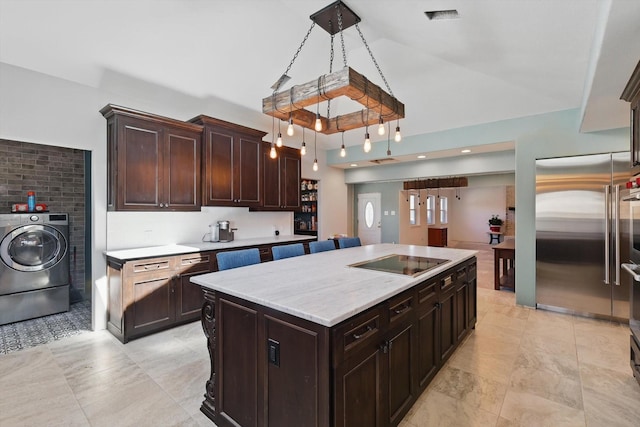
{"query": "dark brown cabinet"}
(149, 295)
(281, 179)
(366, 371)
(437, 236)
(428, 330)
(269, 368)
(189, 298)
(232, 163)
(631, 94)
(153, 162)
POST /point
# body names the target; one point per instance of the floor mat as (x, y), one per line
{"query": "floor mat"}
(30, 333)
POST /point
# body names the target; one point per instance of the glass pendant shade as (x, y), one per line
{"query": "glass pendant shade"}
(290, 128)
(279, 140)
(343, 152)
(303, 149)
(318, 126)
(380, 127)
(273, 154)
(315, 165)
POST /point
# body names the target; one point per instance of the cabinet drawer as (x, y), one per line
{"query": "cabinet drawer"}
(427, 291)
(401, 307)
(446, 282)
(361, 332)
(195, 263)
(146, 266)
(471, 271)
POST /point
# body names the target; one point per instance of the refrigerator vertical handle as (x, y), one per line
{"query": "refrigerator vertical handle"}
(616, 222)
(607, 221)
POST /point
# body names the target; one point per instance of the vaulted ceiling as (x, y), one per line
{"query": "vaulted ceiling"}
(499, 60)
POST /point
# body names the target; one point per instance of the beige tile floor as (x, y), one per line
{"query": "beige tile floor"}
(520, 367)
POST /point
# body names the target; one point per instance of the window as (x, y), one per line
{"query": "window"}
(443, 210)
(431, 209)
(414, 217)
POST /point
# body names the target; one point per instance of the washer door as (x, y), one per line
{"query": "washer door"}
(33, 248)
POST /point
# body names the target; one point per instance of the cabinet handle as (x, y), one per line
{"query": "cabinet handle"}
(386, 346)
(152, 267)
(437, 305)
(358, 336)
(404, 307)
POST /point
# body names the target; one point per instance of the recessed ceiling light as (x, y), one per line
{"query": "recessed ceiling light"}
(442, 14)
(466, 150)
(353, 165)
(422, 156)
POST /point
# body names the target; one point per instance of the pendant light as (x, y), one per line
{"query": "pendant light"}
(272, 152)
(334, 19)
(398, 136)
(367, 139)
(290, 127)
(315, 152)
(367, 142)
(279, 140)
(303, 147)
(380, 121)
(318, 124)
(389, 150)
(343, 152)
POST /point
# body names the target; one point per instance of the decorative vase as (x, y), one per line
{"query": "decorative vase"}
(495, 228)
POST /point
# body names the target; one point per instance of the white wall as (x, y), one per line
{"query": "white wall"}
(46, 110)
(333, 215)
(469, 216)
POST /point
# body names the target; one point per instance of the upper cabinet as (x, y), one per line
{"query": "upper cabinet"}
(631, 94)
(153, 161)
(281, 179)
(231, 170)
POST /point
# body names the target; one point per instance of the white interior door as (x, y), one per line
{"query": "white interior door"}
(369, 221)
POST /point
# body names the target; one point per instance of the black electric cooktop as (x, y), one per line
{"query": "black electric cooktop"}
(401, 264)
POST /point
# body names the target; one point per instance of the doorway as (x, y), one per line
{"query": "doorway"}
(369, 221)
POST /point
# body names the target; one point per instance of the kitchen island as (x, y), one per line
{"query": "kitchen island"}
(315, 341)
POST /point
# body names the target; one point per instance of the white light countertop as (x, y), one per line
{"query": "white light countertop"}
(322, 287)
(168, 250)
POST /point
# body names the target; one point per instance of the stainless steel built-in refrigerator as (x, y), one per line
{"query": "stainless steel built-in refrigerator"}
(582, 235)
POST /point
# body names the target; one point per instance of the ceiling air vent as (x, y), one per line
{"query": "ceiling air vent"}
(442, 14)
(383, 160)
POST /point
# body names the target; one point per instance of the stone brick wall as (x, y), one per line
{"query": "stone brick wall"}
(57, 175)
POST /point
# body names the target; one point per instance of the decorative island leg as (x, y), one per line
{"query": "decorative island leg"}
(209, 326)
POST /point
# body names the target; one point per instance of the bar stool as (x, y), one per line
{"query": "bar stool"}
(287, 251)
(239, 258)
(321, 246)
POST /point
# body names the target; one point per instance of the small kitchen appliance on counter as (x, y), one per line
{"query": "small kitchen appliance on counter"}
(221, 231)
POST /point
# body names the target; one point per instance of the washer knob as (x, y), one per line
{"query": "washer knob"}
(34, 218)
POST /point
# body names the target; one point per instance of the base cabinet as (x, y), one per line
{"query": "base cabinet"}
(366, 371)
(150, 295)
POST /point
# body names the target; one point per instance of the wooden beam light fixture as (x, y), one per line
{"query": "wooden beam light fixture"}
(451, 182)
(379, 105)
